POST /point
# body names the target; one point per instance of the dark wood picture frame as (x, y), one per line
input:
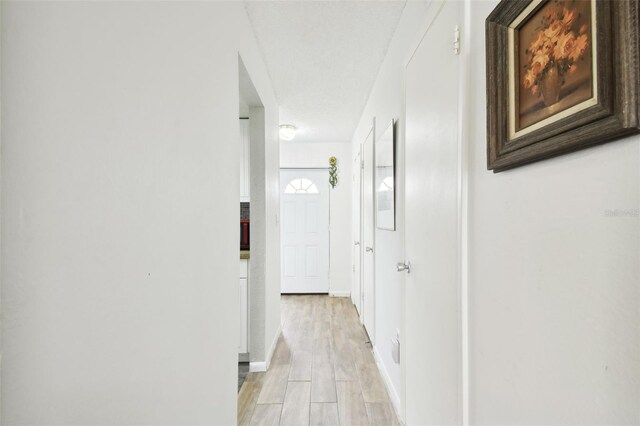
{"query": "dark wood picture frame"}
(613, 116)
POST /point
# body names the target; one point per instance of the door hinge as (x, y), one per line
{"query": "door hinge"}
(362, 164)
(456, 40)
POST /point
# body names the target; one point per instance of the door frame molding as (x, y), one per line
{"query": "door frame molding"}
(371, 133)
(357, 163)
(464, 135)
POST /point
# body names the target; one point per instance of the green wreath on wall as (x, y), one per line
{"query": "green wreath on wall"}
(333, 172)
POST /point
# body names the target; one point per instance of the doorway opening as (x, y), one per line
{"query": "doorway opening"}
(252, 239)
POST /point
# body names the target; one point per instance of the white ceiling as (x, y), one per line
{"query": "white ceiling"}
(323, 58)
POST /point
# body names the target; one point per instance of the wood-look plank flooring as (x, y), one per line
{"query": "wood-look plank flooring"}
(322, 371)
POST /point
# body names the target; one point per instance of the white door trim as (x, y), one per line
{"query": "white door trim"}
(356, 284)
(371, 332)
(464, 132)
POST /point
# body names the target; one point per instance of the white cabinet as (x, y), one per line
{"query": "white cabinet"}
(243, 289)
(244, 160)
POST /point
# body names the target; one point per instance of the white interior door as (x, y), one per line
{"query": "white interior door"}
(357, 230)
(368, 237)
(304, 212)
(432, 333)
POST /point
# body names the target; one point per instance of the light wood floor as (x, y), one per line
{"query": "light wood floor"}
(322, 371)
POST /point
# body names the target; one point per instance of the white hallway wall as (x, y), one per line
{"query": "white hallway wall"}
(264, 265)
(553, 298)
(316, 154)
(386, 102)
(120, 210)
(554, 294)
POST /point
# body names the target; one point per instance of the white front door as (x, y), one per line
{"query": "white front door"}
(432, 288)
(304, 231)
(368, 237)
(357, 230)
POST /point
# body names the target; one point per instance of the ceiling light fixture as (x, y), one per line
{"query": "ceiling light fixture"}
(287, 132)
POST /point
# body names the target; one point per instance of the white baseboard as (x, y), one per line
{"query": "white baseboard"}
(257, 367)
(340, 293)
(264, 365)
(393, 394)
(272, 349)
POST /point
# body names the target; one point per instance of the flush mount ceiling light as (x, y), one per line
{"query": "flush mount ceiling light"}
(287, 132)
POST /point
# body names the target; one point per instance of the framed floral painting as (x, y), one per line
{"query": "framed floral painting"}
(562, 75)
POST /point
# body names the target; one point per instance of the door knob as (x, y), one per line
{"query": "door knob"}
(401, 267)
(369, 249)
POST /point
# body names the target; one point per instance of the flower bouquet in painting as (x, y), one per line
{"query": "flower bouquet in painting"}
(556, 50)
(555, 59)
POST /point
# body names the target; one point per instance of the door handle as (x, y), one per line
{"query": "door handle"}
(401, 267)
(369, 249)
(356, 243)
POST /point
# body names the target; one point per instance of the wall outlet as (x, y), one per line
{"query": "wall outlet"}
(395, 350)
(395, 347)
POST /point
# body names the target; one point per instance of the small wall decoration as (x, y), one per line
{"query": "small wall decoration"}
(333, 171)
(562, 75)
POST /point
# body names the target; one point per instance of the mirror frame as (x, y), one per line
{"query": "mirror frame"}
(390, 127)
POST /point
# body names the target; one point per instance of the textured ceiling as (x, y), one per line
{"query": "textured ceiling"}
(323, 58)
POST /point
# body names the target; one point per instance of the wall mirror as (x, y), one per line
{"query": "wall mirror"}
(385, 179)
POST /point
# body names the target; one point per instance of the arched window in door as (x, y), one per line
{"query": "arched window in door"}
(301, 186)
